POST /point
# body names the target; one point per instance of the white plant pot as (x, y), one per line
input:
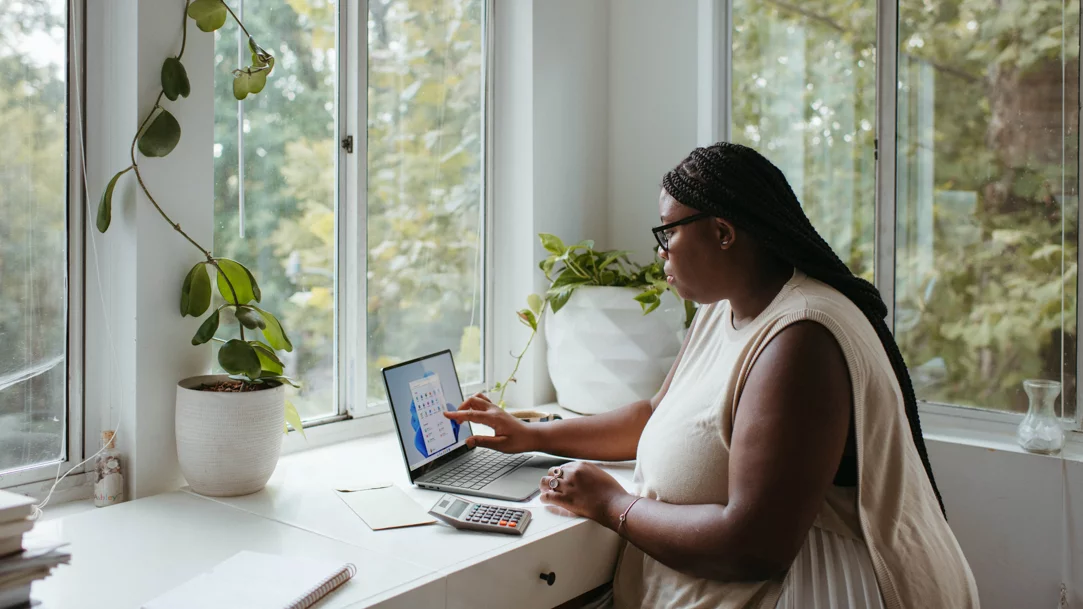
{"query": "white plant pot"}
(604, 353)
(228, 443)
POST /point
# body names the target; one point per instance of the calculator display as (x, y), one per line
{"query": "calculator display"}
(456, 508)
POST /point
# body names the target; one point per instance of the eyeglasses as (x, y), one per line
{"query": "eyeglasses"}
(661, 233)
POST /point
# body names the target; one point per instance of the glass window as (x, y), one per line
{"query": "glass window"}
(33, 233)
(275, 181)
(277, 184)
(804, 95)
(987, 200)
(426, 132)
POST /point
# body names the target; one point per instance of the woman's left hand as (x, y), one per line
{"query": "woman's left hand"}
(583, 489)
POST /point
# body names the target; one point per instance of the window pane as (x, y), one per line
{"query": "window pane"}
(987, 200)
(285, 158)
(804, 95)
(33, 232)
(425, 184)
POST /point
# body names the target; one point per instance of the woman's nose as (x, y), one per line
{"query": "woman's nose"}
(662, 253)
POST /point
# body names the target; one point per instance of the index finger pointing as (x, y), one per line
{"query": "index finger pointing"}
(465, 414)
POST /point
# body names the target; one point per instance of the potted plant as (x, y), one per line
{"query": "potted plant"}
(229, 427)
(604, 349)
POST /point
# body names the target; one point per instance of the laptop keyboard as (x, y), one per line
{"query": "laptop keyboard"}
(481, 469)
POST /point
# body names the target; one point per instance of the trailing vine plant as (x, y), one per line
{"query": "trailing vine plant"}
(252, 362)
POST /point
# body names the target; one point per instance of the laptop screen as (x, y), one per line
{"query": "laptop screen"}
(420, 392)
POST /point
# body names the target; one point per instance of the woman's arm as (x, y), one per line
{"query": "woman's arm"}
(789, 433)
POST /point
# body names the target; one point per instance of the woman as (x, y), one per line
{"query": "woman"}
(781, 464)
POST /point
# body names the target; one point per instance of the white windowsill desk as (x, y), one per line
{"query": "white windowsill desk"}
(125, 555)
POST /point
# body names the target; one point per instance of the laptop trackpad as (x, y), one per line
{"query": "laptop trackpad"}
(524, 482)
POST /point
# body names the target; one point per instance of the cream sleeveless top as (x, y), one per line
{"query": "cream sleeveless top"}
(683, 458)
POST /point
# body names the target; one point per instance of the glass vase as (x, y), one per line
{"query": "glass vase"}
(1040, 432)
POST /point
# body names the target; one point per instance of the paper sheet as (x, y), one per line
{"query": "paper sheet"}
(386, 508)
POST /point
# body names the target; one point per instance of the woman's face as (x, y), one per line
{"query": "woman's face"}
(696, 262)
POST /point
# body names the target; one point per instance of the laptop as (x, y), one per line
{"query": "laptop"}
(434, 447)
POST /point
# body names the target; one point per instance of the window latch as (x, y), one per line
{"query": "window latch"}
(347, 143)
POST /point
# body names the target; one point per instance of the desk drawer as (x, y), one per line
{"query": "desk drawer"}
(580, 559)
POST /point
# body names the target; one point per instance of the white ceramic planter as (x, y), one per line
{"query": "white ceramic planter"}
(228, 443)
(604, 353)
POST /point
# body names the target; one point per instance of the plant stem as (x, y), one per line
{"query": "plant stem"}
(234, 15)
(184, 35)
(519, 360)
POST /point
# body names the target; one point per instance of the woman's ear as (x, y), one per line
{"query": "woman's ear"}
(726, 233)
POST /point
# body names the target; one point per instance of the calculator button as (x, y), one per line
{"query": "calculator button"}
(513, 524)
(503, 523)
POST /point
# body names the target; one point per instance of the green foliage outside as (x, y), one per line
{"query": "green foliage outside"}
(986, 172)
(33, 236)
(423, 203)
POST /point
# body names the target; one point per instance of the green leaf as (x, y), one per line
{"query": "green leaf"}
(161, 136)
(208, 14)
(241, 83)
(268, 359)
(568, 278)
(553, 244)
(611, 258)
(557, 302)
(105, 207)
(196, 292)
(646, 297)
(206, 329)
(535, 303)
(528, 318)
(244, 284)
(175, 79)
(274, 333)
(294, 418)
(238, 357)
(250, 318)
(284, 380)
(257, 80)
(648, 307)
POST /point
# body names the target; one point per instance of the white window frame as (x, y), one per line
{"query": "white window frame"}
(37, 479)
(356, 415)
(949, 419)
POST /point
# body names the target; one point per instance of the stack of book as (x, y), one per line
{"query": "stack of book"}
(22, 564)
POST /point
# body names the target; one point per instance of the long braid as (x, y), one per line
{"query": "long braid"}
(737, 183)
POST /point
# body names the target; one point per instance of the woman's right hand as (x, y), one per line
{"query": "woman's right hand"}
(510, 434)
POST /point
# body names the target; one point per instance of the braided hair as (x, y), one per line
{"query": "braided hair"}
(737, 183)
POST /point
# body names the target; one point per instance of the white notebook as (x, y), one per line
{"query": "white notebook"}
(14, 506)
(258, 581)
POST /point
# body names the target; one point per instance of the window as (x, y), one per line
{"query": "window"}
(804, 93)
(34, 248)
(987, 198)
(984, 213)
(426, 131)
(283, 204)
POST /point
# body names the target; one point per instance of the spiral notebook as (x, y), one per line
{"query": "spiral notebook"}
(258, 581)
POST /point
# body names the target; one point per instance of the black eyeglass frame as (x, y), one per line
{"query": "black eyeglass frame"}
(660, 231)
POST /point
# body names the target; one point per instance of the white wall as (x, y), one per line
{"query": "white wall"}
(142, 261)
(652, 110)
(550, 159)
(1006, 509)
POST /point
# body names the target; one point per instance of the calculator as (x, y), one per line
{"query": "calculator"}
(463, 514)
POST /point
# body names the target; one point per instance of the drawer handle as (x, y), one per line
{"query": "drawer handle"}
(549, 578)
